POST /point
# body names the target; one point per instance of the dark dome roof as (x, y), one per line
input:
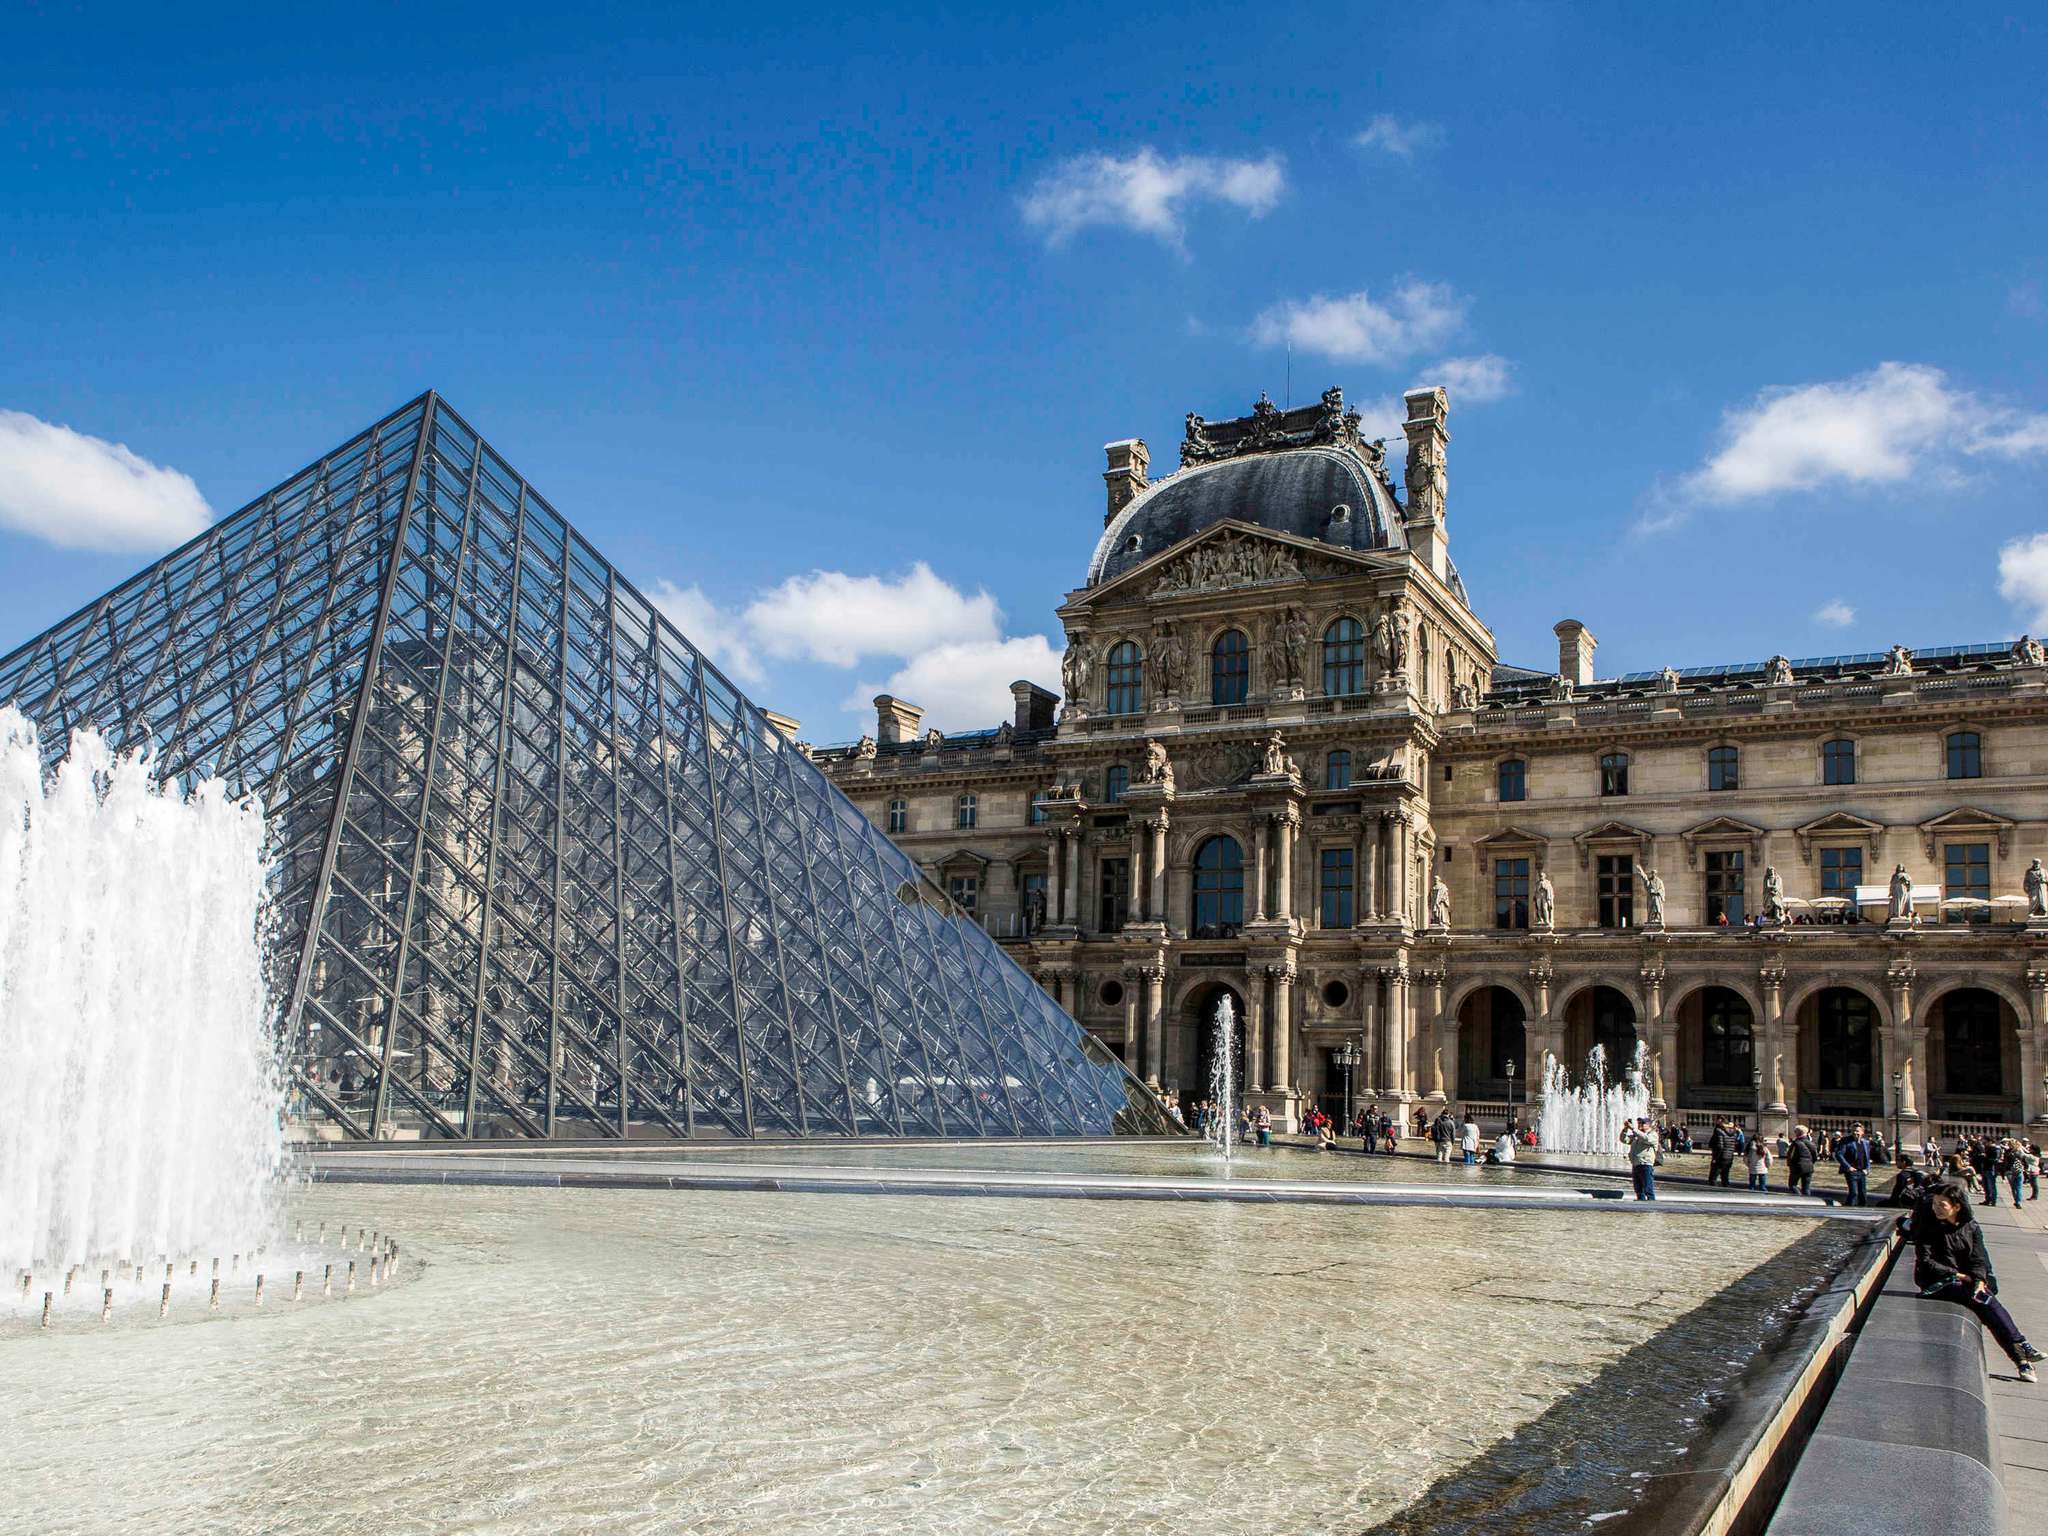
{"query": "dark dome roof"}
(1299, 491)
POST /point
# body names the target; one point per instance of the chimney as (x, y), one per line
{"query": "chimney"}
(895, 720)
(1428, 408)
(1125, 476)
(1035, 706)
(785, 725)
(1575, 647)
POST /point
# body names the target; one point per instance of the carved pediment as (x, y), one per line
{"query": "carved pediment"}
(1967, 821)
(962, 859)
(1228, 556)
(1721, 829)
(1836, 824)
(1511, 837)
(1610, 834)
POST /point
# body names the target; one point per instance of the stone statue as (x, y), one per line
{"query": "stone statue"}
(1898, 662)
(1653, 893)
(934, 739)
(2035, 884)
(1439, 904)
(1546, 902)
(1667, 680)
(1157, 769)
(1292, 633)
(1169, 661)
(1464, 696)
(1074, 669)
(1561, 689)
(1277, 761)
(1390, 642)
(1774, 895)
(1034, 909)
(1778, 672)
(2028, 652)
(1901, 891)
(864, 749)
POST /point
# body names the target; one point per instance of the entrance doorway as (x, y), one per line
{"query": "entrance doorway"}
(1200, 1023)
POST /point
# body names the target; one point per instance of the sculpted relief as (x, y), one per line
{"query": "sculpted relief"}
(1228, 563)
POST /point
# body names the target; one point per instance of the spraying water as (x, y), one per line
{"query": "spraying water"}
(1223, 1076)
(140, 1103)
(1589, 1117)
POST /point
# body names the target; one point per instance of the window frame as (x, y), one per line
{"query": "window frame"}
(1116, 783)
(1511, 888)
(1724, 767)
(1971, 867)
(1337, 769)
(1500, 780)
(1829, 757)
(1615, 889)
(1737, 1021)
(1964, 743)
(1123, 674)
(1715, 893)
(1112, 894)
(1230, 668)
(1991, 1045)
(971, 881)
(897, 817)
(1614, 773)
(966, 812)
(1214, 884)
(1342, 894)
(1343, 658)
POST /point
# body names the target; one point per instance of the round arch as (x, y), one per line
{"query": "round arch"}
(1562, 997)
(1973, 1047)
(1192, 1044)
(2003, 990)
(1718, 1026)
(1460, 991)
(1877, 996)
(1492, 1030)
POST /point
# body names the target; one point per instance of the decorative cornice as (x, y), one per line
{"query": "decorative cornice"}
(1268, 429)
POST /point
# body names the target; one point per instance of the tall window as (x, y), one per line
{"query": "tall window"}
(1614, 1031)
(1966, 874)
(1972, 1046)
(1847, 1027)
(1965, 755)
(1115, 890)
(1115, 780)
(1513, 778)
(1841, 871)
(1336, 888)
(1038, 815)
(1727, 1040)
(1721, 768)
(1033, 894)
(1337, 771)
(1614, 773)
(1230, 668)
(1616, 876)
(1219, 888)
(1344, 658)
(899, 815)
(1724, 886)
(965, 891)
(1510, 893)
(966, 812)
(1126, 679)
(1838, 761)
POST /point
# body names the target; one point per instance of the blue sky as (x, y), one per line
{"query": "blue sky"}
(1745, 310)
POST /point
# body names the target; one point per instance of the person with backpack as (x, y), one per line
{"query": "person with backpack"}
(1801, 1157)
(1909, 1185)
(1720, 1153)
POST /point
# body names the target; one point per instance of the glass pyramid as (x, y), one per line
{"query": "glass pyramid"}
(542, 871)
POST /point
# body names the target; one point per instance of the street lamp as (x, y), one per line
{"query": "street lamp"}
(1898, 1085)
(1511, 1097)
(1347, 1058)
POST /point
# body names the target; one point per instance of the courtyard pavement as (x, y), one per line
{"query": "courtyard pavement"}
(2018, 1240)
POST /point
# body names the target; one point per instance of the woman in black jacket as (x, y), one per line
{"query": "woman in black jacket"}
(1950, 1264)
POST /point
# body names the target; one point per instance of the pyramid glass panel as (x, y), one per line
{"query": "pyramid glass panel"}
(542, 871)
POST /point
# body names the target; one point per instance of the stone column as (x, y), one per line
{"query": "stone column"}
(1283, 902)
(1140, 863)
(1283, 1037)
(1056, 877)
(1664, 1062)
(1368, 866)
(1910, 1059)
(1539, 1031)
(1443, 1074)
(1258, 869)
(1771, 1096)
(1157, 906)
(1074, 877)
(1397, 874)
(1134, 1043)
(1255, 1029)
(2033, 1033)
(1398, 1025)
(1374, 1065)
(1155, 1023)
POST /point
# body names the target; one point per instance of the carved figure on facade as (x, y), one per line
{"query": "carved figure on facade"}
(1156, 769)
(1544, 914)
(1196, 448)
(2029, 652)
(1439, 903)
(1901, 895)
(2035, 884)
(1390, 641)
(934, 738)
(1169, 661)
(1898, 662)
(1561, 688)
(1464, 696)
(1034, 909)
(1778, 672)
(1667, 680)
(864, 749)
(1774, 895)
(1075, 669)
(1276, 760)
(1226, 563)
(1653, 898)
(1291, 633)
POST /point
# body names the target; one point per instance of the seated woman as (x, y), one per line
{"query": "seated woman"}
(1951, 1264)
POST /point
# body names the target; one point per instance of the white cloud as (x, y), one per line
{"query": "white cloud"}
(83, 492)
(1146, 192)
(965, 685)
(1474, 380)
(2023, 577)
(1834, 613)
(1876, 428)
(1391, 136)
(1357, 328)
(709, 628)
(832, 617)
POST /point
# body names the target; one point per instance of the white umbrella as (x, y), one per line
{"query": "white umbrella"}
(1798, 901)
(2008, 901)
(1965, 901)
(1831, 901)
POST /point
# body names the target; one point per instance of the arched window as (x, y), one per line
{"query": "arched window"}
(1114, 782)
(1722, 766)
(1972, 1049)
(966, 811)
(1337, 771)
(1126, 679)
(1838, 761)
(1219, 888)
(1614, 773)
(1727, 1040)
(899, 815)
(1965, 755)
(1344, 658)
(1513, 779)
(1230, 668)
(1848, 1028)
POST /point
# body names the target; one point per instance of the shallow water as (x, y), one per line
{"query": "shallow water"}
(649, 1361)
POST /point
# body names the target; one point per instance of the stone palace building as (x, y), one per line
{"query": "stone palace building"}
(1290, 769)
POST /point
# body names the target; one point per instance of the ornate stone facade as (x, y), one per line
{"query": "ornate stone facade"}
(1290, 768)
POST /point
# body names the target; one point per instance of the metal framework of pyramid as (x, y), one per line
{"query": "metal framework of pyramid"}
(541, 870)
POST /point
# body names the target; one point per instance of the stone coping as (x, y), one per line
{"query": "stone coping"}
(1907, 1439)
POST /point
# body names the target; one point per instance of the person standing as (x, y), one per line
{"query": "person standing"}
(1984, 1158)
(1442, 1134)
(2030, 1162)
(1642, 1159)
(1720, 1154)
(1853, 1158)
(2012, 1167)
(1757, 1159)
(1369, 1131)
(1950, 1264)
(1468, 1139)
(1800, 1160)
(1264, 1123)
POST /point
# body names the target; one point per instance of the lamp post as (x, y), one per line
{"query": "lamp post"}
(1347, 1058)
(1898, 1086)
(1511, 1097)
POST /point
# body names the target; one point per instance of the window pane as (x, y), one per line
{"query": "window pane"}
(1510, 893)
(1617, 889)
(1344, 658)
(1614, 774)
(1965, 755)
(1513, 781)
(1230, 670)
(1126, 694)
(1721, 772)
(1972, 1044)
(1724, 887)
(1219, 888)
(1838, 762)
(1114, 783)
(1116, 894)
(1966, 874)
(1337, 771)
(1336, 887)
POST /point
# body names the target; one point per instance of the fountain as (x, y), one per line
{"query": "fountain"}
(140, 1101)
(1223, 1076)
(1588, 1118)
